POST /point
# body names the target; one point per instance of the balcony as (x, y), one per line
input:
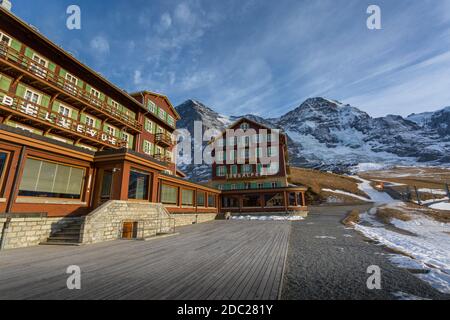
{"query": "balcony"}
(21, 67)
(162, 158)
(19, 110)
(163, 139)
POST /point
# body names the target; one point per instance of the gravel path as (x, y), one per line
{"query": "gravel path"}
(327, 261)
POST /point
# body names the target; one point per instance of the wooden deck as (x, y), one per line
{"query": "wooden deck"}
(218, 260)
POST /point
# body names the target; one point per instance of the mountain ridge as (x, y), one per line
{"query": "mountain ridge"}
(329, 135)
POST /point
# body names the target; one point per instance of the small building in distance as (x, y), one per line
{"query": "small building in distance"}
(251, 168)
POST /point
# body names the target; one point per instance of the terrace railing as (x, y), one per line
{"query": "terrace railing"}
(25, 63)
(33, 111)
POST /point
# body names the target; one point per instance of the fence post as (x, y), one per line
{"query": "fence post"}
(418, 196)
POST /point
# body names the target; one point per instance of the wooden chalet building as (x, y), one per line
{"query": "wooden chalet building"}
(248, 185)
(70, 140)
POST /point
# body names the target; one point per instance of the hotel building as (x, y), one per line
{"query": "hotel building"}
(248, 184)
(71, 142)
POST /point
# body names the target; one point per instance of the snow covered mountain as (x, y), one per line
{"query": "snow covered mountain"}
(326, 134)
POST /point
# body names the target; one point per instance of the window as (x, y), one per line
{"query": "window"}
(232, 156)
(159, 130)
(170, 121)
(169, 156)
(126, 137)
(274, 184)
(90, 122)
(151, 106)
(4, 39)
(230, 202)
(147, 147)
(51, 180)
(95, 93)
(251, 201)
(148, 125)
(247, 168)
(187, 198)
(231, 141)
(138, 186)
(95, 96)
(233, 186)
(260, 185)
(64, 111)
(39, 66)
(71, 82)
(292, 200)
(234, 169)
(111, 131)
(245, 126)
(220, 156)
(162, 114)
(3, 161)
(211, 201)
(274, 200)
(201, 199)
(169, 195)
(272, 152)
(221, 171)
(219, 143)
(115, 105)
(32, 96)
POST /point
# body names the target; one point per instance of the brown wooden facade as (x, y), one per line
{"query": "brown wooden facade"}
(70, 140)
(249, 185)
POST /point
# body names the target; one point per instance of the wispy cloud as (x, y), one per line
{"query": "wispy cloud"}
(262, 57)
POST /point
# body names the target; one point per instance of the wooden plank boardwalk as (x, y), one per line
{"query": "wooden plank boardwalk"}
(241, 260)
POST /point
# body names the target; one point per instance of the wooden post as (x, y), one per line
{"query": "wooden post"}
(419, 202)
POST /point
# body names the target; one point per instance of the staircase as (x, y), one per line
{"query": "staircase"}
(67, 236)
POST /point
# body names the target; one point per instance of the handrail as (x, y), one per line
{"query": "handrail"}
(30, 109)
(25, 63)
(164, 137)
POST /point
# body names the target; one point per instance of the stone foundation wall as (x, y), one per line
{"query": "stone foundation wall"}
(189, 219)
(106, 222)
(28, 232)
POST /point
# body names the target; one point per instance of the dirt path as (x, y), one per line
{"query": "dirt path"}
(328, 261)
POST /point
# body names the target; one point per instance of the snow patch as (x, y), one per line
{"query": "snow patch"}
(268, 218)
(441, 206)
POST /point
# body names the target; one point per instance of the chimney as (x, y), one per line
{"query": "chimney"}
(6, 4)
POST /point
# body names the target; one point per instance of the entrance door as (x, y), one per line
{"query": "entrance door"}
(107, 183)
(129, 230)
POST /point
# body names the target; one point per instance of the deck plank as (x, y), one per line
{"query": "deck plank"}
(217, 260)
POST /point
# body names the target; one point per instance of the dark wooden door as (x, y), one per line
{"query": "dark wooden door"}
(127, 230)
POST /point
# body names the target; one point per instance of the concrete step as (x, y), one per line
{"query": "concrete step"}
(65, 235)
(63, 239)
(74, 244)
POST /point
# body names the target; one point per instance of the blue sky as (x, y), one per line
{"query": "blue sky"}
(262, 57)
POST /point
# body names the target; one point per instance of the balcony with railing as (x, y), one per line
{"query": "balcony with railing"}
(40, 117)
(19, 65)
(163, 139)
(162, 158)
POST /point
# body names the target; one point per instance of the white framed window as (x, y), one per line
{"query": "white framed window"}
(151, 106)
(149, 125)
(231, 141)
(115, 104)
(147, 147)
(245, 126)
(247, 168)
(96, 95)
(126, 137)
(64, 111)
(159, 130)
(233, 187)
(169, 155)
(162, 114)
(170, 120)
(221, 171)
(4, 39)
(32, 96)
(219, 142)
(39, 66)
(111, 131)
(71, 82)
(220, 156)
(272, 152)
(89, 121)
(232, 155)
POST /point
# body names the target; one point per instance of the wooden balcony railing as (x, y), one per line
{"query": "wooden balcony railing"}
(164, 139)
(162, 158)
(25, 63)
(45, 117)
